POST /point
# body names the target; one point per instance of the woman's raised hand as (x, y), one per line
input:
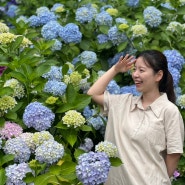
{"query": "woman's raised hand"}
(124, 64)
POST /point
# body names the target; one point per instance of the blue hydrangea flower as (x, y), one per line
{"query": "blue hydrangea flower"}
(115, 36)
(103, 18)
(56, 6)
(55, 73)
(18, 148)
(50, 30)
(132, 3)
(49, 152)
(87, 112)
(84, 15)
(88, 58)
(95, 122)
(38, 116)
(70, 33)
(152, 16)
(102, 38)
(42, 9)
(114, 60)
(55, 87)
(16, 172)
(121, 20)
(174, 58)
(93, 168)
(12, 10)
(175, 74)
(34, 21)
(104, 8)
(129, 89)
(181, 101)
(168, 6)
(113, 87)
(45, 17)
(22, 18)
(178, 91)
(57, 46)
(87, 145)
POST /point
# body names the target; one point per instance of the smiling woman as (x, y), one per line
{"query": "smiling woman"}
(148, 130)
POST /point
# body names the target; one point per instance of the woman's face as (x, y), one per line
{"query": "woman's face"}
(144, 77)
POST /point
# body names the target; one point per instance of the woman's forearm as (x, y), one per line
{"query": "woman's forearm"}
(171, 163)
(100, 85)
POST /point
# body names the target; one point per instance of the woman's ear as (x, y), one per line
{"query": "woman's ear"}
(159, 75)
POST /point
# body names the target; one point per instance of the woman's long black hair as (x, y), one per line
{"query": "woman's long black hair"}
(157, 61)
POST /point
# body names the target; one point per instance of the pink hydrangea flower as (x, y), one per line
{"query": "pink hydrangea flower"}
(10, 130)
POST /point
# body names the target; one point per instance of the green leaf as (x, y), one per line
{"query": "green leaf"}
(2, 176)
(16, 44)
(46, 179)
(78, 152)
(6, 91)
(67, 168)
(65, 69)
(2, 121)
(70, 136)
(11, 115)
(6, 158)
(70, 94)
(19, 76)
(115, 161)
(86, 128)
(122, 46)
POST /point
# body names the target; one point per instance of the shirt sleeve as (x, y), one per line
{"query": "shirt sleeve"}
(174, 127)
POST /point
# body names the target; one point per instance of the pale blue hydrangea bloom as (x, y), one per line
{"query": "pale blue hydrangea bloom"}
(55, 87)
(152, 16)
(88, 58)
(174, 26)
(109, 148)
(16, 172)
(12, 10)
(70, 33)
(87, 145)
(121, 20)
(104, 8)
(42, 9)
(168, 6)
(22, 18)
(129, 89)
(51, 30)
(175, 74)
(178, 91)
(49, 152)
(95, 122)
(115, 36)
(84, 85)
(18, 148)
(84, 15)
(132, 3)
(88, 112)
(102, 38)
(34, 21)
(93, 168)
(103, 18)
(55, 73)
(113, 87)
(181, 101)
(57, 46)
(38, 116)
(56, 6)
(45, 17)
(174, 58)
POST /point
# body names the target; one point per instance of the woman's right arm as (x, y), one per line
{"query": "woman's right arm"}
(98, 88)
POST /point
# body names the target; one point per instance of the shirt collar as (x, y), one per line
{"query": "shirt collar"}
(155, 106)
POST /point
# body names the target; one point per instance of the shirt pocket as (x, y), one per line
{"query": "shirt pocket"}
(155, 133)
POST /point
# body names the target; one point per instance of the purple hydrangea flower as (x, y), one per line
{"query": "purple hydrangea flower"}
(115, 36)
(49, 152)
(10, 130)
(93, 168)
(38, 116)
(18, 148)
(152, 16)
(16, 172)
(55, 87)
(113, 87)
(103, 18)
(2, 68)
(70, 33)
(50, 30)
(87, 145)
(174, 58)
(55, 73)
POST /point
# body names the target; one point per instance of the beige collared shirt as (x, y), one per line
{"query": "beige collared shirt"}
(143, 137)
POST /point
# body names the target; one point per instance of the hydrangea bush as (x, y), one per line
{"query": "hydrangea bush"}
(50, 54)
